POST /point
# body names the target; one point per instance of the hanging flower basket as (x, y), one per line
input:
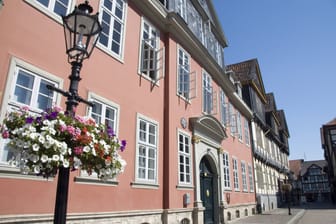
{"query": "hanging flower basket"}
(44, 142)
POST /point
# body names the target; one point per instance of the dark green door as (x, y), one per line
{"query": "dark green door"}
(207, 192)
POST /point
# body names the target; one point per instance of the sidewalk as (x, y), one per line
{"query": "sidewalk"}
(277, 216)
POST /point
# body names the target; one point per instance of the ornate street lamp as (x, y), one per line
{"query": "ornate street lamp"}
(287, 188)
(81, 30)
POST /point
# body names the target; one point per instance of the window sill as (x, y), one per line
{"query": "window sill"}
(14, 173)
(95, 181)
(184, 187)
(144, 185)
(110, 53)
(184, 98)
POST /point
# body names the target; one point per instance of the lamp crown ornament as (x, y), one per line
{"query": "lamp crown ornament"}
(85, 7)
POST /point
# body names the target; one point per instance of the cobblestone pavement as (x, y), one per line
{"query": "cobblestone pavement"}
(278, 216)
(310, 213)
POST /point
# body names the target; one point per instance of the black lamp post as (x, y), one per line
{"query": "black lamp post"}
(81, 30)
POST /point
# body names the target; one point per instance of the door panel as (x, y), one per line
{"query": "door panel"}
(207, 192)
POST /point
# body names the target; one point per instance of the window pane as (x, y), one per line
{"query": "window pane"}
(108, 4)
(151, 164)
(110, 117)
(142, 131)
(23, 88)
(151, 174)
(119, 8)
(44, 2)
(45, 96)
(60, 9)
(96, 112)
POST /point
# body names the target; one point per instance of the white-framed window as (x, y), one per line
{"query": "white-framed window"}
(151, 55)
(209, 95)
(182, 8)
(251, 182)
(104, 111)
(183, 72)
(113, 17)
(235, 174)
(243, 173)
(53, 8)
(184, 158)
(233, 121)
(226, 169)
(239, 126)
(147, 150)
(26, 87)
(223, 108)
(247, 131)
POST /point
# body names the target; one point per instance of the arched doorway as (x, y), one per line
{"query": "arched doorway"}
(208, 183)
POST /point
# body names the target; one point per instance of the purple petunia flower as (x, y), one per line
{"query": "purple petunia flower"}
(110, 132)
(29, 120)
(39, 120)
(123, 145)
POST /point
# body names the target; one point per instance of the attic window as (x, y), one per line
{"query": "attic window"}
(164, 2)
(238, 89)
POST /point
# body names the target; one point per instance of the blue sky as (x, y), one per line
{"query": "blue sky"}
(295, 44)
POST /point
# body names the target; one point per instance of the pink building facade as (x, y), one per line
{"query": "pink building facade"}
(157, 76)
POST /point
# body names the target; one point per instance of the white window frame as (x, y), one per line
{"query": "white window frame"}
(146, 180)
(49, 11)
(223, 108)
(250, 173)
(151, 68)
(181, 8)
(233, 120)
(243, 174)
(235, 174)
(183, 73)
(105, 105)
(226, 171)
(247, 132)
(239, 127)
(9, 104)
(208, 94)
(113, 18)
(185, 155)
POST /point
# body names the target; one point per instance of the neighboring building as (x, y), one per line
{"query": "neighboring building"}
(328, 139)
(310, 180)
(295, 167)
(315, 184)
(158, 77)
(269, 135)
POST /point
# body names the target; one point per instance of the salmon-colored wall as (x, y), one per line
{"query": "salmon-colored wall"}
(39, 40)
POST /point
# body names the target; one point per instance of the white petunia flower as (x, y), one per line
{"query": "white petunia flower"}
(36, 147)
(44, 158)
(55, 158)
(77, 163)
(34, 158)
(41, 139)
(47, 145)
(37, 169)
(86, 149)
(66, 163)
(46, 122)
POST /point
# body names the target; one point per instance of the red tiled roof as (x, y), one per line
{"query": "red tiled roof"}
(295, 166)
